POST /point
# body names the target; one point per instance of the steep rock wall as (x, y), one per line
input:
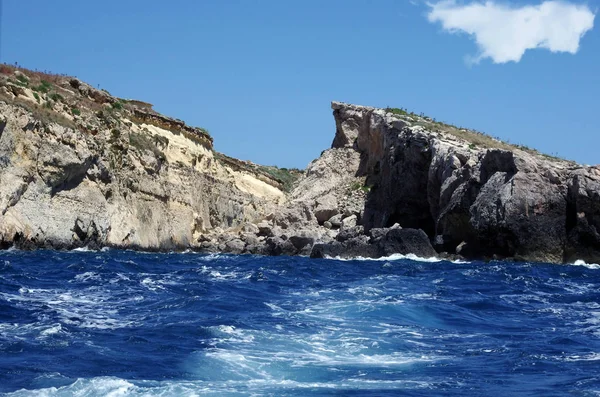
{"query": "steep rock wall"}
(79, 167)
(103, 175)
(479, 201)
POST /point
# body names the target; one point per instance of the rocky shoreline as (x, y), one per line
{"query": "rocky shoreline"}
(81, 168)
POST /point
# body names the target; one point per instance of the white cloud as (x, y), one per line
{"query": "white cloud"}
(503, 32)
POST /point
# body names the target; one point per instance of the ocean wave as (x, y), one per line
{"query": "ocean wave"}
(117, 387)
(87, 276)
(589, 357)
(83, 308)
(131, 324)
(393, 257)
(580, 262)
(83, 249)
(5, 265)
(102, 386)
(398, 257)
(212, 257)
(88, 249)
(40, 332)
(230, 334)
(53, 330)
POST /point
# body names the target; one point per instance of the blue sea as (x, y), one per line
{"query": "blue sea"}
(119, 323)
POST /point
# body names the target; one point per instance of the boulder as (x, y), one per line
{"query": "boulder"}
(405, 241)
(377, 233)
(352, 248)
(326, 207)
(254, 249)
(226, 236)
(349, 222)
(250, 238)
(208, 246)
(250, 228)
(292, 216)
(336, 221)
(265, 229)
(303, 238)
(275, 246)
(349, 233)
(352, 243)
(235, 246)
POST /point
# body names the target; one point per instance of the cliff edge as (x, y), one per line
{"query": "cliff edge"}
(80, 167)
(471, 194)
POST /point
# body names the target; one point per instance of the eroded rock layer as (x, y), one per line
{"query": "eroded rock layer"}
(80, 167)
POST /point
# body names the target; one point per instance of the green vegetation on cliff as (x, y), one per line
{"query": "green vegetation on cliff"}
(65, 100)
(284, 177)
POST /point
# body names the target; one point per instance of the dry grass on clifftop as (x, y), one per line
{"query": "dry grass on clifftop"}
(476, 139)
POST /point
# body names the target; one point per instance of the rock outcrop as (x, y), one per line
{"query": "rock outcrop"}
(470, 193)
(379, 242)
(80, 167)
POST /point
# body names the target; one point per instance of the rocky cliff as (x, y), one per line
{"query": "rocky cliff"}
(80, 167)
(471, 194)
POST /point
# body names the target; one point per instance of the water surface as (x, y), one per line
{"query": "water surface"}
(96, 323)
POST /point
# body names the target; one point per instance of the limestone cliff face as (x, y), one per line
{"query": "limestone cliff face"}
(471, 193)
(80, 167)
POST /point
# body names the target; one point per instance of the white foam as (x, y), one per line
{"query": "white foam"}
(224, 274)
(119, 278)
(365, 290)
(55, 329)
(460, 262)
(393, 257)
(87, 276)
(589, 357)
(231, 334)
(82, 249)
(116, 387)
(211, 257)
(152, 285)
(104, 386)
(24, 332)
(87, 308)
(364, 360)
(592, 323)
(580, 262)
(340, 343)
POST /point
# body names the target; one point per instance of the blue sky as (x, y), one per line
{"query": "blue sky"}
(260, 75)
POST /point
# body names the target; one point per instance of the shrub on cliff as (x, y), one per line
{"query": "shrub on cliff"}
(22, 80)
(145, 143)
(286, 176)
(44, 87)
